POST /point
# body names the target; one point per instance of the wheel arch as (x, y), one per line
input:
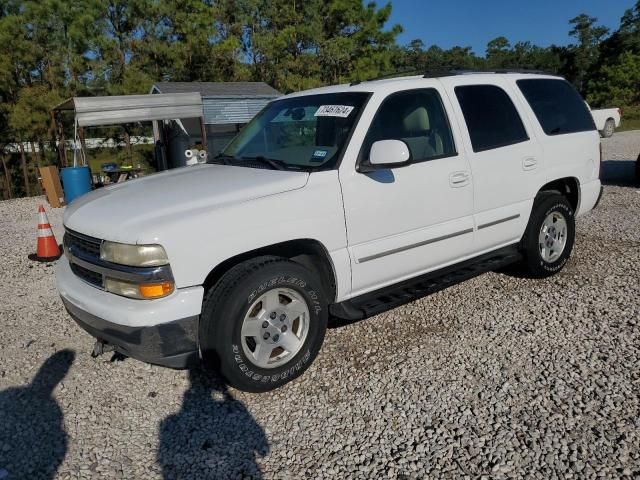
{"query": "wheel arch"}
(308, 252)
(569, 187)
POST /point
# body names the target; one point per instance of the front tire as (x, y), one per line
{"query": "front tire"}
(550, 235)
(263, 323)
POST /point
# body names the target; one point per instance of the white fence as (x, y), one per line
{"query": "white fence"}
(91, 143)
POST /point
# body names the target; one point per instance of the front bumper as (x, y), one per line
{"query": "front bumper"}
(173, 344)
(162, 331)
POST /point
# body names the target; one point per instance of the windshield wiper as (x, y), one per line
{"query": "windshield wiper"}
(221, 158)
(273, 163)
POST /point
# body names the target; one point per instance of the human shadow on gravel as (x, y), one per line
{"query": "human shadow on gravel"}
(213, 436)
(33, 441)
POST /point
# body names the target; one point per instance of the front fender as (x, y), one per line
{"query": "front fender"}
(196, 243)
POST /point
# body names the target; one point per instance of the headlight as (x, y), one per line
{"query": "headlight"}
(133, 255)
(146, 291)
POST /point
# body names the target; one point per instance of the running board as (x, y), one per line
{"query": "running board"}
(379, 301)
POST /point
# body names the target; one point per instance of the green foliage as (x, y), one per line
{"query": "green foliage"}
(295, 45)
(30, 115)
(54, 49)
(617, 83)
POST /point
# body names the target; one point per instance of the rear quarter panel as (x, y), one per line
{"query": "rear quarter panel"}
(575, 155)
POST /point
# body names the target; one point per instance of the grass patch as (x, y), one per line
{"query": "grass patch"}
(630, 119)
(629, 124)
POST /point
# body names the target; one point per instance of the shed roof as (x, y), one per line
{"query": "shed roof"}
(218, 89)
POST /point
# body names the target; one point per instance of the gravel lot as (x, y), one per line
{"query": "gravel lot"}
(497, 377)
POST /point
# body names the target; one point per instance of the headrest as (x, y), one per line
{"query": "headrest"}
(416, 120)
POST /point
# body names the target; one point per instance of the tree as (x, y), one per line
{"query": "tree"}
(499, 54)
(295, 45)
(617, 84)
(585, 53)
(355, 35)
(29, 119)
(284, 42)
(629, 31)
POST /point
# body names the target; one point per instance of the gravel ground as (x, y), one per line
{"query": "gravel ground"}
(498, 377)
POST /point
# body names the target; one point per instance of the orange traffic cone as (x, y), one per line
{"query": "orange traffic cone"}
(47, 246)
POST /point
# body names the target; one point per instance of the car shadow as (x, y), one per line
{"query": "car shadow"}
(213, 436)
(33, 441)
(621, 173)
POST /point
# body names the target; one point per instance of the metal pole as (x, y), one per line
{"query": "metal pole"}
(83, 147)
(203, 133)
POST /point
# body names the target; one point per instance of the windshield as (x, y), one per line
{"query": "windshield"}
(300, 133)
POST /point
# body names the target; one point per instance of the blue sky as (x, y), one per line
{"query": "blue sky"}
(448, 23)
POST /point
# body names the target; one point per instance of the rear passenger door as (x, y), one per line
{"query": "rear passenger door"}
(505, 161)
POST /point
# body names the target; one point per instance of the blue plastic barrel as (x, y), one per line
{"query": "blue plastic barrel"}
(76, 181)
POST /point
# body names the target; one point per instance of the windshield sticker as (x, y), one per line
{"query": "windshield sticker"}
(341, 111)
(319, 155)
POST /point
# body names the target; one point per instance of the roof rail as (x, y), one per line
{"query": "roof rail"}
(453, 72)
(401, 73)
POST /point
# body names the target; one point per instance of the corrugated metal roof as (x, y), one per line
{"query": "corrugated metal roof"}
(133, 108)
(218, 89)
(220, 111)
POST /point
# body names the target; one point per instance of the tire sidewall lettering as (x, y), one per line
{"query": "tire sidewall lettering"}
(281, 376)
(279, 280)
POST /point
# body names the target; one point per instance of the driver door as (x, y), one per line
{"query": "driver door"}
(405, 221)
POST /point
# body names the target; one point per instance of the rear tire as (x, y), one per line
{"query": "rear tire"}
(550, 235)
(609, 128)
(263, 323)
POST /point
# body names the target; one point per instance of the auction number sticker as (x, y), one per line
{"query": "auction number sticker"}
(342, 111)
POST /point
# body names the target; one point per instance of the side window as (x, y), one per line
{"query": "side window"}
(416, 117)
(557, 105)
(491, 117)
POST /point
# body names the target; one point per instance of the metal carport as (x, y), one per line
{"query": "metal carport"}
(116, 110)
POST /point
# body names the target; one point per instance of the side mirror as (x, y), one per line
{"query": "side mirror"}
(387, 154)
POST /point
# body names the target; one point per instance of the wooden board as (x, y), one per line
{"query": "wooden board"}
(51, 185)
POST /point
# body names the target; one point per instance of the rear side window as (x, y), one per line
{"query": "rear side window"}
(559, 108)
(491, 117)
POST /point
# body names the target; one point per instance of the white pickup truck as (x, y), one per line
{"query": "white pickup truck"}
(607, 120)
(343, 201)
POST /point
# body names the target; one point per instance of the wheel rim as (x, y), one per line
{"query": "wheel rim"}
(609, 128)
(275, 327)
(553, 237)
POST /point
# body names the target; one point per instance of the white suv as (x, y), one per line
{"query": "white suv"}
(343, 201)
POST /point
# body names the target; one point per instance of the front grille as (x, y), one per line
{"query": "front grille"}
(82, 243)
(87, 248)
(94, 278)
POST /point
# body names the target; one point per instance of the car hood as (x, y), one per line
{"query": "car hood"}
(134, 211)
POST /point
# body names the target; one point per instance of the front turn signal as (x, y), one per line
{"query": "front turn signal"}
(142, 291)
(156, 290)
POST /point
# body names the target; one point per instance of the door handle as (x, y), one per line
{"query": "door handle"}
(529, 163)
(459, 179)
